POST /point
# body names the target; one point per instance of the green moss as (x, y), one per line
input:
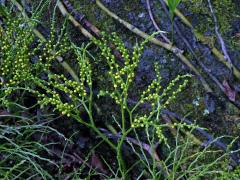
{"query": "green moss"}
(224, 11)
(131, 5)
(92, 13)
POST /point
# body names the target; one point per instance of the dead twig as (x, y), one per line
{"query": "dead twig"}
(73, 20)
(220, 39)
(132, 140)
(79, 21)
(81, 18)
(154, 22)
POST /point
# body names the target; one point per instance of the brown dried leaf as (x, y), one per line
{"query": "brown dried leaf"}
(230, 93)
(97, 163)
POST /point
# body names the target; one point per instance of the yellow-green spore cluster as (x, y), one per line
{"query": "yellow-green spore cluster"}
(121, 76)
(27, 65)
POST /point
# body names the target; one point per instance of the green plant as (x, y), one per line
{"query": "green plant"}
(184, 159)
(28, 67)
(173, 4)
(69, 97)
(122, 79)
(22, 156)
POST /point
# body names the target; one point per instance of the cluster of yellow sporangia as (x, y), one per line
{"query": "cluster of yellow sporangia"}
(151, 94)
(173, 89)
(140, 121)
(182, 125)
(14, 55)
(160, 134)
(70, 87)
(51, 50)
(144, 121)
(85, 70)
(123, 76)
(53, 98)
(55, 101)
(73, 89)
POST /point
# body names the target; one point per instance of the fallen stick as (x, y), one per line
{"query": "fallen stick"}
(81, 18)
(220, 39)
(134, 141)
(154, 22)
(77, 18)
(155, 41)
(73, 20)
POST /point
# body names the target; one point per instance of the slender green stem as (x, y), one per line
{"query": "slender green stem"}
(121, 162)
(136, 106)
(172, 26)
(93, 126)
(123, 118)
